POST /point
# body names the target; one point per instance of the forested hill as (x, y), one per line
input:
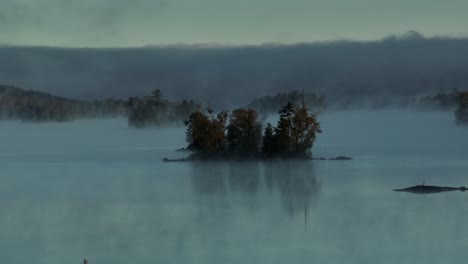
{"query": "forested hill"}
(16, 103)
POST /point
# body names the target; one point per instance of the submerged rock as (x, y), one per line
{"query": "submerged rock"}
(176, 160)
(341, 158)
(429, 189)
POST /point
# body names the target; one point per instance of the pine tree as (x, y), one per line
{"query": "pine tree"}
(269, 148)
(283, 129)
(244, 132)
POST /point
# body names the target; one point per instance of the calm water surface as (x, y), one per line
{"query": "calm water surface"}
(98, 189)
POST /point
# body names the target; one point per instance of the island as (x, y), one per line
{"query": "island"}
(239, 135)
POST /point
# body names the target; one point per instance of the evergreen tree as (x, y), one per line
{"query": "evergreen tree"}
(155, 98)
(197, 128)
(294, 135)
(283, 130)
(244, 132)
(269, 148)
(183, 109)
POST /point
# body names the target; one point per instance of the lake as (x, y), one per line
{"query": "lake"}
(98, 189)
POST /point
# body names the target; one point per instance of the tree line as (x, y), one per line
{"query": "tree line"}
(239, 135)
(16, 103)
(155, 110)
(439, 101)
(271, 104)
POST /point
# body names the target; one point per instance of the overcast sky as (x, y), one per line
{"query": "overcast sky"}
(120, 23)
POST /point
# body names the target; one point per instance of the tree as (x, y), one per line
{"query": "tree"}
(183, 109)
(156, 107)
(205, 134)
(283, 129)
(152, 110)
(303, 132)
(197, 125)
(269, 147)
(217, 132)
(294, 135)
(155, 98)
(269, 104)
(130, 104)
(244, 132)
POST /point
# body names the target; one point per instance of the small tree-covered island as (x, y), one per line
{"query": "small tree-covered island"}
(239, 135)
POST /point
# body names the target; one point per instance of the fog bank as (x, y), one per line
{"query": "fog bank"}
(399, 66)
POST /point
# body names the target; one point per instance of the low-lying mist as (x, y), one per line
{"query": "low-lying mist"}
(99, 189)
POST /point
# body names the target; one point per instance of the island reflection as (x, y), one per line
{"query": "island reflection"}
(221, 187)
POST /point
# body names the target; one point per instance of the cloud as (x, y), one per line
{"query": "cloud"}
(67, 22)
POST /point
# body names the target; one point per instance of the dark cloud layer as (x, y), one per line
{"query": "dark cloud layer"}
(396, 66)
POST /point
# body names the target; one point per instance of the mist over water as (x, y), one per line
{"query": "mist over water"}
(100, 190)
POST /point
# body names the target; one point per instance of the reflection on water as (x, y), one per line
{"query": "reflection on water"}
(97, 189)
(222, 185)
(297, 183)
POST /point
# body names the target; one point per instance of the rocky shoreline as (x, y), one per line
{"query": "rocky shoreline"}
(194, 158)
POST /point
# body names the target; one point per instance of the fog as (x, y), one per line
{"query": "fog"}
(98, 189)
(223, 76)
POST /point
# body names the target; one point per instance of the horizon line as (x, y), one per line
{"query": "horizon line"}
(408, 35)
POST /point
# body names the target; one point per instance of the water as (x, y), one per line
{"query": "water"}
(98, 189)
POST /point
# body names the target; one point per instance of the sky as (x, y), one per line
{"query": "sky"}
(123, 23)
